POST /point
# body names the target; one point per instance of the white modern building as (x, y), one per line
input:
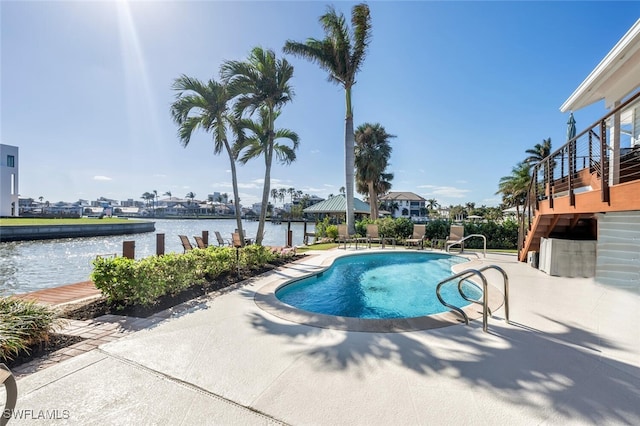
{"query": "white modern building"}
(9, 172)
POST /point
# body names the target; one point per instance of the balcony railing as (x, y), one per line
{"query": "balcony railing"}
(588, 162)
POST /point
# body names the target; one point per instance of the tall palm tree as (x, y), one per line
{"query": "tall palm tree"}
(514, 187)
(341, 53)
(261, 84)
(372, 153)
(168, 194)
(263, 143)
(539, 152)
(206, 106)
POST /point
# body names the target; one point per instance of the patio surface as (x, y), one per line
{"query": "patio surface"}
(571, 355)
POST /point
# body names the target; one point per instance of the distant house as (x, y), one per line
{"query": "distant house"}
(404, 204)
(9, 204)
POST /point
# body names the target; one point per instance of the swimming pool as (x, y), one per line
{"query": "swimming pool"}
(383, 285)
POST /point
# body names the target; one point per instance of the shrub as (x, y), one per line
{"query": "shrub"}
(128, 282)
(332, 232)
(23, 323)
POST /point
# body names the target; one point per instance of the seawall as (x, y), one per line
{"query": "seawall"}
(48, 232)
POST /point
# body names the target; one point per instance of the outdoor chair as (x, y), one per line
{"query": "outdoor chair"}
(344, 237)
(221, 241)
(186, 244)
(237, 242)
(418, 237)
(200, 242)
(373, 236)
(456, 235)
(244, 235)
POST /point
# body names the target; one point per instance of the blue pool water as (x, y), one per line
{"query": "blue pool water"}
(380, 285)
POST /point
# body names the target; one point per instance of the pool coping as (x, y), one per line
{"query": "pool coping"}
(266, 300)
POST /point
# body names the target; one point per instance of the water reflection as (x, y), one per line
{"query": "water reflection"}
(33, 265)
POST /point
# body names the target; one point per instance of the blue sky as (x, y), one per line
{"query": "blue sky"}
(467, 87)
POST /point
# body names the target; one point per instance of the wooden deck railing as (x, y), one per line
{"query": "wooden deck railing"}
(582, 164)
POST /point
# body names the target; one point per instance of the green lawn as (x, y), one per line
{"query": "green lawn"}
(81, 221)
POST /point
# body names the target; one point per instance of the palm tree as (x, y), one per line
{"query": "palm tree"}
(261, 84)
(168, 194)
(432, 204)
(147, 196)
(341, 53)
(539, 152)
(381, 185)
(372, 153)
(262, 143)
(155, 201)
(206, 106)
(514, 188)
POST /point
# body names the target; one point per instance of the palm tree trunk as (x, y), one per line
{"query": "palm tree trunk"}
(265, 194)
(236, 198)
(350, 163)
(373, 200)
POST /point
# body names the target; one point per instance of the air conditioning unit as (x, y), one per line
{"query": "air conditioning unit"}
(532, 259)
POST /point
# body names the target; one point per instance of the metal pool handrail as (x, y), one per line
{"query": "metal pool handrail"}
(466, 238)
(468, 273)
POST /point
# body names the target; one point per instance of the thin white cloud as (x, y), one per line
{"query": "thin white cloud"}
(445, 191)
(102, 178)
(315, 151)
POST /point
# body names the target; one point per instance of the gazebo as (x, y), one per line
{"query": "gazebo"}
(337, 205)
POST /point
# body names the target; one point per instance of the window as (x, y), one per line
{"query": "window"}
(13, 184)
(11, 161)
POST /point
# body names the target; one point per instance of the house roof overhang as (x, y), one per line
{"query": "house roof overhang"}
(615, 77)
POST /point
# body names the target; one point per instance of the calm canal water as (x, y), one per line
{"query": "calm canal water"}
(34, 265)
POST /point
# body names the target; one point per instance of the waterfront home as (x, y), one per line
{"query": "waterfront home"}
(582, 213)
(405, 204)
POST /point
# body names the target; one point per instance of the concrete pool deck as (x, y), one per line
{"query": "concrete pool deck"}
(571, 355)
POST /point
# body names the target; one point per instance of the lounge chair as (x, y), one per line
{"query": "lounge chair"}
(344, 237)
(221, 241)
(456, 235)
(373, 236)
(200, 242)
(246, 240)
(186, 244)
(418, 236)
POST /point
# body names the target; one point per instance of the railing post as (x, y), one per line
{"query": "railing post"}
(129, 249)
(572, 167)
(159, 244)
(550, 182)
(604, 163)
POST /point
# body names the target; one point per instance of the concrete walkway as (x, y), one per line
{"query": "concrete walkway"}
(571, 355)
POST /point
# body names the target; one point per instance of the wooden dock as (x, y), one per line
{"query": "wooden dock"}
(62, 295)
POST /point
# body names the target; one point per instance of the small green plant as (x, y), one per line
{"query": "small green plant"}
(22, 324)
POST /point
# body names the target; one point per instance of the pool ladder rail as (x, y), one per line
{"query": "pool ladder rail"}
(466, 274)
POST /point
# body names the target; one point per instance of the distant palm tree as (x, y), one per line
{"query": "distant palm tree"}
(341, 53)
(168, 194)
(190, 196)
(372, 153)
(155, 201)
(539, 152)
(514, 188)
(147, 196)
(206, 106)
(432, 204)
